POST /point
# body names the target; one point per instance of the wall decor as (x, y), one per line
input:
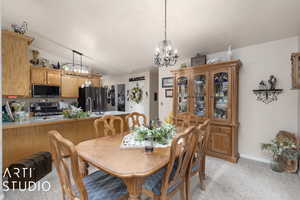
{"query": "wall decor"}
(21, 29)
(295, 59)
(199, 59)
(136, 94)
(169, 93)
(167, 82)
(140, 78)
(267, 91)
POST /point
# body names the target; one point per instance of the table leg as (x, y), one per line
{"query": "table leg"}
(83, 168)
(134, 187)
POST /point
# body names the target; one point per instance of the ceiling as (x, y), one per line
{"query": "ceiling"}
(120, 36)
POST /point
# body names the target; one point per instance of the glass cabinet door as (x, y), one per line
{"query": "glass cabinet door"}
(200, 95)
(182, 94)
(221, 95)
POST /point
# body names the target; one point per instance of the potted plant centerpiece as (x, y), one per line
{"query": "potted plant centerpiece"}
(284, 150)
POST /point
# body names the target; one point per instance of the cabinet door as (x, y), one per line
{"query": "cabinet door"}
(81, 80)
(200, 94)
(53, 77)
(15, 66)
(182, 95)
(295, 70)
(95, 82)
(69, 87)
(221, 140)
(38, 76)
(221, 95)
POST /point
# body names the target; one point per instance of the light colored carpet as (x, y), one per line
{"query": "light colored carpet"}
(247, 180)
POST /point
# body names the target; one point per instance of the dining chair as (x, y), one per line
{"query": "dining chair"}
(96, 186)
(109, 125)
(135, 118)
(199, 160)
(167, 181)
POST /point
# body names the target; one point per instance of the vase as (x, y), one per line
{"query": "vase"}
(277, 165)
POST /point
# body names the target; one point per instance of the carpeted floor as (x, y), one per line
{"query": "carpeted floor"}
(247, 180)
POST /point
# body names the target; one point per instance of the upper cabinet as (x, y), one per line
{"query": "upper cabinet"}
(69, 86)
(15, 64)
(295, 70)
(44, 76)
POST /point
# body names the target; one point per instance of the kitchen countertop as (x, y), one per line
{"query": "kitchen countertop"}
(39, 121)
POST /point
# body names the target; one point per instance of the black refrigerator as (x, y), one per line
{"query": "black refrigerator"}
(92, 99)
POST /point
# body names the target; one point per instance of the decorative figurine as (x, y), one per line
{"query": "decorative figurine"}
(22, 29)
(272, 82)
(35, 60)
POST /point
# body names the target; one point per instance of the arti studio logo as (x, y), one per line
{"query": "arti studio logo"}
(22, 179)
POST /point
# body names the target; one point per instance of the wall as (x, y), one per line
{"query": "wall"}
(153, 82)
(147, 101)
(260, 122)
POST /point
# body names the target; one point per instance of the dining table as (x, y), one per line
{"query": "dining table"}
(132, 165)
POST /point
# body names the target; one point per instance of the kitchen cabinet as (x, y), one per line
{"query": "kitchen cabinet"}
(44, 76)
(54, 77)
(211, 92)
(95, 81)
(69, 86)
(15, 64)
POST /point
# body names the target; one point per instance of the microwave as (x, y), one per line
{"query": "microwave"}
(45, 91)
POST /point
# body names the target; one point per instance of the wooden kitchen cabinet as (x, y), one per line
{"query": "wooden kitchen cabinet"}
(45, 76)
(15, 64)
(69, 86)
(211, 92)
(54, 77)
(38, 76)
(95, 81)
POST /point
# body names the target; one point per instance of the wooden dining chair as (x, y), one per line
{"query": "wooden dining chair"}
(109, 125)
(96, 186)
(135, 118)
(199, 160)
(167, 181)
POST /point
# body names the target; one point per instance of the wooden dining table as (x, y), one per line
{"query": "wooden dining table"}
(131, 165)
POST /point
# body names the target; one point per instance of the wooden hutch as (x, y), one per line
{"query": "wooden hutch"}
(295, 58)
(211, 91)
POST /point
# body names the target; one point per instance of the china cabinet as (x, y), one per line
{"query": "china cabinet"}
(211, 91)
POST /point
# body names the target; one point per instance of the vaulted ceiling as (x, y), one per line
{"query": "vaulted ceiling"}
(119, 36)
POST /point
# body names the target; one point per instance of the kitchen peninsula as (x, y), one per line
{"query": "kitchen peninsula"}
(22, 139)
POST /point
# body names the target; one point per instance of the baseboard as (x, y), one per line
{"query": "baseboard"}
(255, 158)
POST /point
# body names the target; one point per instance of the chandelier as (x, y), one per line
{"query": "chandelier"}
(165, 54)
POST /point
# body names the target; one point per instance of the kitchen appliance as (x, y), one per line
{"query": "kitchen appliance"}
(40, 109)
(45, 91)
(92, 99)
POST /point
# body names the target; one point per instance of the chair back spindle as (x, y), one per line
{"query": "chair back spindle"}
(133, 120)
(181, 152)
(108, 122)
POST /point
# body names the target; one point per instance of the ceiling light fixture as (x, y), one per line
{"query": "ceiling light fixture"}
(165, 54)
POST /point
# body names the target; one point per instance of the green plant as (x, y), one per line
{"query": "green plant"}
(160, 135)
(285, 148)
(75, 113)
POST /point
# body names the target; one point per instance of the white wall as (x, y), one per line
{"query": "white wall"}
(259, 122)
(144, 105)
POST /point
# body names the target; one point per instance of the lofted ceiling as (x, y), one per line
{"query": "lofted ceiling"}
(119, 36)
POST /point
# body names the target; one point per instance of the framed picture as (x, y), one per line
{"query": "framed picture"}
(198, 60)
(167, 82)
(169, 93)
